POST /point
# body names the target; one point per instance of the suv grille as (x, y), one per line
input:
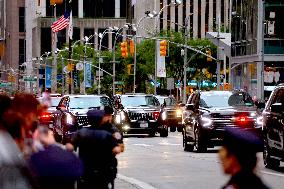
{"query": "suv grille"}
(82, 120)
(222, 121)
(171, 114)
(141, 116)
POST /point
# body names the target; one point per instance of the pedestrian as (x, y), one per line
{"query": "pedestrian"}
(238, 159)
(14, 171)
(97, 148)
(107, 124)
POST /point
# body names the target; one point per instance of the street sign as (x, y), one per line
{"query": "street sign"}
(65, 69)
(170, 83)
(29, 79)
(5, 85)
(190, 69)
(80, 66)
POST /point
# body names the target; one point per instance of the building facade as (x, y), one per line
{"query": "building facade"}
(257, 28)
(199, 16)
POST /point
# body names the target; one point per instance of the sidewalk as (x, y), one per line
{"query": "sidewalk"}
(122, 184)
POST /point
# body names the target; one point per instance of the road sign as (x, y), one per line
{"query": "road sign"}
(29, 79)
(80, 66)
(5, 85)
(170, 83)
(190, 69)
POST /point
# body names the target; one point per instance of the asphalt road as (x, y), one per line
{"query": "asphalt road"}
(154, 162)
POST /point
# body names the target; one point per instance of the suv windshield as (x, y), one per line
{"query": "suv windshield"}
(169, 101)
(88, 102)
(138, 101)
(211, 99)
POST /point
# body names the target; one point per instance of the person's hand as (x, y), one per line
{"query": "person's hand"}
(116, 150)
(46, 138)
(69, 147)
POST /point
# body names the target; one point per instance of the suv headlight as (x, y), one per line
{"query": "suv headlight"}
(69, 119)
(206, 121)
(164, 116)
(118, 118)
(122, 116)
(178, 113)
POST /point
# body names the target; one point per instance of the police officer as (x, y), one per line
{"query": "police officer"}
(97, 148)
(238, 158)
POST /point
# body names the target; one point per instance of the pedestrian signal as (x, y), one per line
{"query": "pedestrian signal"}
(209, 59)
(131, 47)
(163, 48)
(123, 48)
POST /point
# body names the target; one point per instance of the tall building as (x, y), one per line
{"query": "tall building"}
(200, 16)
(257, 28)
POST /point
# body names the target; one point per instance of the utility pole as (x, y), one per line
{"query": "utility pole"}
(70, 83)
(54, 54)
(218, 52)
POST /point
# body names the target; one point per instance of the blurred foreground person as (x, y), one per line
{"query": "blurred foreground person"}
(97, 150)
(14, 172)
(53, 166)
(238, 158)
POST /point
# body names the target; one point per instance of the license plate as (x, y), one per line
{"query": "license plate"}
(143, 125)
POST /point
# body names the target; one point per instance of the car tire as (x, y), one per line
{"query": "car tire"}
(172, 128)
(199, 143)
(267, 160)
(186, 147)
(164, 133)
(152, 133)
(179, 129)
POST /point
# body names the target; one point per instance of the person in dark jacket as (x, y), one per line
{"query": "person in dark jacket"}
(238, 158)
(97, 148)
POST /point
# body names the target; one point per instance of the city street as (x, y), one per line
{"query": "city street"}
(161, 163)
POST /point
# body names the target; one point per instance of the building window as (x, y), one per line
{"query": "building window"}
(88, 32)
(22, 19)
(60, 9)
(22, 50)
(123, 8)
(99, 8)
(104, 39)
(61, 36)
(45, 40)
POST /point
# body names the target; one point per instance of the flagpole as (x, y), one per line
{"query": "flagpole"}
(69, 54)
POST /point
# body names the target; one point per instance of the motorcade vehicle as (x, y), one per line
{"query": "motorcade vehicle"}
(173, 112)
(46, 117)
(71, 113)
(273, 128)
(140, 114)
(208, 113)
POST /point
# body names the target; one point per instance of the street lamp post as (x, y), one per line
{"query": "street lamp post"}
(172, 3)
(101, 36)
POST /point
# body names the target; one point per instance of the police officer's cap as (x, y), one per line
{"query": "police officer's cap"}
(95, 116)
(242, 142)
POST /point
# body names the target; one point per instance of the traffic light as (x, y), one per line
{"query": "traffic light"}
(58, 2)
(163, 48)
(208, 52)
(131, 47)
(130, 68)
(123, 47)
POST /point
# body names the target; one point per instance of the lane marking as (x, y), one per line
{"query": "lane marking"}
(140, 184)
(274, 174)
(145, 145)
(169, 144)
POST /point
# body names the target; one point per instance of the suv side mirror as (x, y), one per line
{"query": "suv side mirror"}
(277, 107)
(189, 107)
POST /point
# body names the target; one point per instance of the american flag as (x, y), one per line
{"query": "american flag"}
(61, 23)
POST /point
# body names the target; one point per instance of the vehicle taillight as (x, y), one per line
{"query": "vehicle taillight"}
(242, 119)
(45, 116)
(156, 115)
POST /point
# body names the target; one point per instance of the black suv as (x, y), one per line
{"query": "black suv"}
(173, 112)
(273, 128)
(140, 114)
(72, 111)
(208, 113)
